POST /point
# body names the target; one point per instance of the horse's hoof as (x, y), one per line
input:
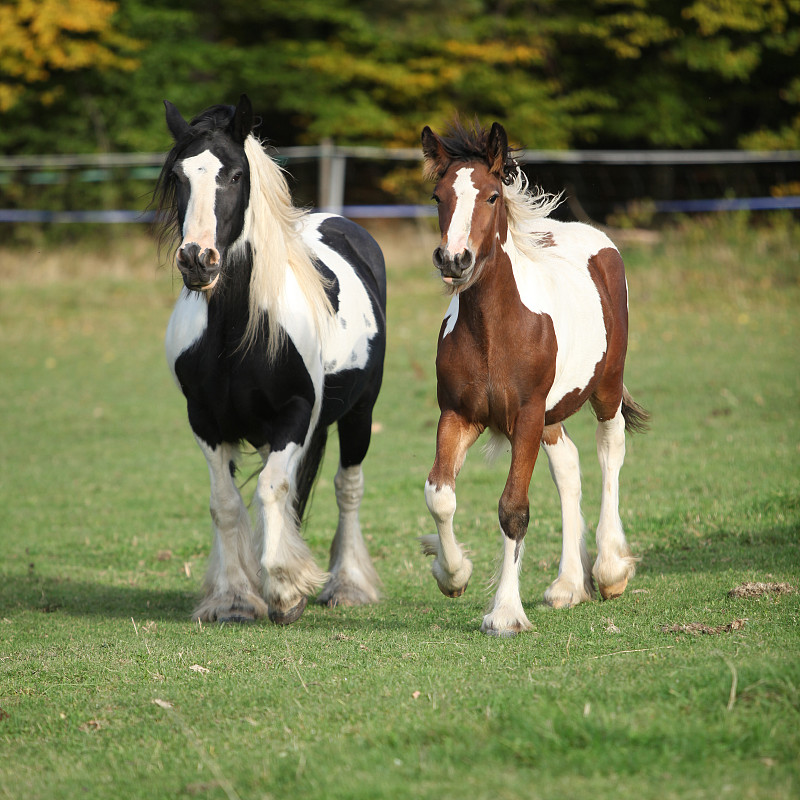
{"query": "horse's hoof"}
(235, 619)
(612, 591)
(501, 634)
(453, 592)
(288, 617)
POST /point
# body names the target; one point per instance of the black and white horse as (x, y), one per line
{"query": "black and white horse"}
(279, 331)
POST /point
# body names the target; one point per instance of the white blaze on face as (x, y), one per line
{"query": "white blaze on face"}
(200, 224)
(461, 221)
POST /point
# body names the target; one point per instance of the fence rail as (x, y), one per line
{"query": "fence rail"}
(332, 168)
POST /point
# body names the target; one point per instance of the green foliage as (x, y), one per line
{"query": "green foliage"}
(107, 688)
(558, 74)
(44, 42)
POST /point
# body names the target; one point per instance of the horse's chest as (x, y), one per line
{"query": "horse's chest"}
(490, 377)
(514, 379)
(232, 395)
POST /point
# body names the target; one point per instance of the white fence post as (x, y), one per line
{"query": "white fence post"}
(332, 165)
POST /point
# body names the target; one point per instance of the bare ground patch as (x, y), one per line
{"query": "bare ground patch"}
(758, 589)
(697, 628)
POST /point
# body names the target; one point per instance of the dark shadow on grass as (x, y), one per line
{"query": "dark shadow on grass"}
(47, 595)
(773, 549)
(32, 592)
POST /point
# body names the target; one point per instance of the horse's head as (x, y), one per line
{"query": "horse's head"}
(470, 168)
(206, 185)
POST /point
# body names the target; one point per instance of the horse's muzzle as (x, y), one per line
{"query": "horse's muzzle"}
(456, 269)
(199, 268)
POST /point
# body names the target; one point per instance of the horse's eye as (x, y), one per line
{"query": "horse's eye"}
(493, 199)
(236, 177)
(435, 198)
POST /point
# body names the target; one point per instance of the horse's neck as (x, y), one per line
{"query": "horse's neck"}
(230, 302)
(488, 303)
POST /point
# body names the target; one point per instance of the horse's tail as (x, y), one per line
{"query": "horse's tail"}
(308, 469)
(636, 418)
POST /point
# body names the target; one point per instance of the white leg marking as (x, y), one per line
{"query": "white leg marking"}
(451, 568)
(353, 580)
(614, 565)
(507, 616)
(574, 582)
(230, 583)
(289, 573)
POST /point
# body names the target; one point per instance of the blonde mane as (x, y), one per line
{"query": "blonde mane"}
(525, 208)
(273, 228)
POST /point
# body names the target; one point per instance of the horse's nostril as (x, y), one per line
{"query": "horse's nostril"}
(187, 254)
(438, 257)
(209, 257)
(464, 260)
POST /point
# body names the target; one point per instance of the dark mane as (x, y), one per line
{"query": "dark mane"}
(469, 142)
(465, 142)
(165, 224)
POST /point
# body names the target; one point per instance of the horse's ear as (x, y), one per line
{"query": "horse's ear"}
(177, 125)
(437, 159)
(242, 122)
(497, 149)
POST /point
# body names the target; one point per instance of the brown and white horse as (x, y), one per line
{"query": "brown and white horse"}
(537, 326)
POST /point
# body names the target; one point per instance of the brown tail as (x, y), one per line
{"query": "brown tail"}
(636, 418)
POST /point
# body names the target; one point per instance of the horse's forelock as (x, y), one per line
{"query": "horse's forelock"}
(469, 142)
(465, 142)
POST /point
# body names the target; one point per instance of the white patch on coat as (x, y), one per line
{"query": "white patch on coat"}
(296, 319)
(461, 221)
(200, 223)
(186, 325)
(354, 326)
(558, 283)
(451, 317)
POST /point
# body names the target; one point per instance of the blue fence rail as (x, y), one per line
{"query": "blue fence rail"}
(331, 169)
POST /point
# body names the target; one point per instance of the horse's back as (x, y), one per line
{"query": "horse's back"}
(576, 277)
(575, 242)
(355, 246)
(353, 353)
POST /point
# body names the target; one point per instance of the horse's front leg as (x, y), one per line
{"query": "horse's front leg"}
(507, 617)
(230, 583)
(451, 568)
(288, 571)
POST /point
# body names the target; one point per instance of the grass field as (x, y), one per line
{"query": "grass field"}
(107, 689)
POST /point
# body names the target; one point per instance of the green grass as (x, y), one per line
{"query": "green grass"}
(104, 532)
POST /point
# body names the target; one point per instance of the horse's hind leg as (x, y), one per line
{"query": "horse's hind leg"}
(353, 580)
(230, 593)
(614, 565)
(574, 582)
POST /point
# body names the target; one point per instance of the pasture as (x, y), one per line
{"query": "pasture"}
(107, 688)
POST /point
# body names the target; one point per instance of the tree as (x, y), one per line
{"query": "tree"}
(557, 73)
(42, 42)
